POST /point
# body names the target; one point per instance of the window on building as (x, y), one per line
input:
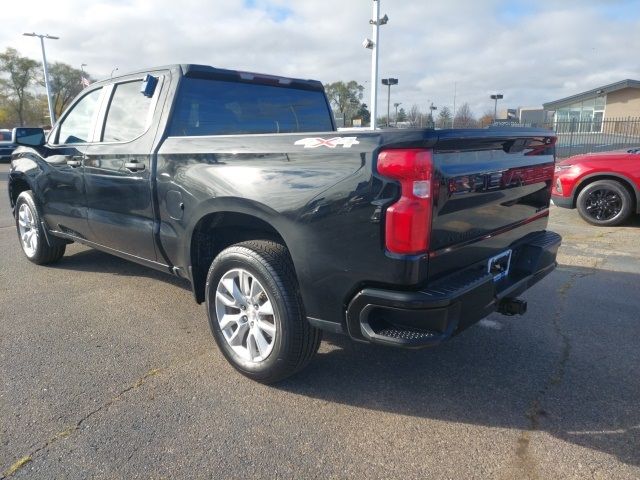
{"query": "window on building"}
(584, 116)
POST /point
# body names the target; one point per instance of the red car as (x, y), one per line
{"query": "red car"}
(604, 187)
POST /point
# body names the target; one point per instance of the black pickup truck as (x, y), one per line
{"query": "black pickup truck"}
(285, 227)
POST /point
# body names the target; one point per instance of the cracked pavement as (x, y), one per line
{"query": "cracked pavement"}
(108, 370)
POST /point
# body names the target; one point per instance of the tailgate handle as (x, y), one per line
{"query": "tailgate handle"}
(516, 146)
(134, 166)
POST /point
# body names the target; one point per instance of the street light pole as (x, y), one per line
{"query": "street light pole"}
(82, 82)
(432, 109)
(376, 21)
(388, 82)
(496, 97)
(453, 114)
(388, 104)
(374, 62)
(52, 115)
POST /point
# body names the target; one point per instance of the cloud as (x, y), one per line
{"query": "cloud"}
(531, 54)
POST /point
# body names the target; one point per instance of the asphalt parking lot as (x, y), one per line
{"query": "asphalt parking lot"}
(108, 370)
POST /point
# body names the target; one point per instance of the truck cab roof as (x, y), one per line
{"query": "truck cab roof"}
(209, 72)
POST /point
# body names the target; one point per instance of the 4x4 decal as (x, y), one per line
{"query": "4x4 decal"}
(346, 142)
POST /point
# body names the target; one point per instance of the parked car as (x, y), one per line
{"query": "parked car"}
(604, 187)
(285, 227)
(6, 145)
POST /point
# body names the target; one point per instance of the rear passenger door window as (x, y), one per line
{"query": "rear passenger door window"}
(77, 126)
(129, 113)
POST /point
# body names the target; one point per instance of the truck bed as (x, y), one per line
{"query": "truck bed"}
(328, 203)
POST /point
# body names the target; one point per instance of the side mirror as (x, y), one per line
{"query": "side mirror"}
(31, 137)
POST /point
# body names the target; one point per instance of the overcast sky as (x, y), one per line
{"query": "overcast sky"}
(531, 51)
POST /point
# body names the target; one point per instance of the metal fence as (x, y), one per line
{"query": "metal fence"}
(587, 136)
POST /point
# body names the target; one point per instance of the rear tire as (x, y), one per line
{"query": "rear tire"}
(31, 234)
(605, 203)
(256, 314)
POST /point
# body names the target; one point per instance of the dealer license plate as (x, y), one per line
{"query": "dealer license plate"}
(498, 266)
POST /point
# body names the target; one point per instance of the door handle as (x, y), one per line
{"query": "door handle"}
(134, 166)
(76, 160)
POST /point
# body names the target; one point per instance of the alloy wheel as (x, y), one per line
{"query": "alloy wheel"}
(603, 204)
(245, 315)
(28, 230)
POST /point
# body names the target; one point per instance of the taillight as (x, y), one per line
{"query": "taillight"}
(408, 221)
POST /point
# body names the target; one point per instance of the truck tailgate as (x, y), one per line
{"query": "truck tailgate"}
(491, 192)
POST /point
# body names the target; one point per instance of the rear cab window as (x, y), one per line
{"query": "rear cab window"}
(217, 107)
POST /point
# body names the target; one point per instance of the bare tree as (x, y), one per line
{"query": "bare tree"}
(414, 115)
(464, 117)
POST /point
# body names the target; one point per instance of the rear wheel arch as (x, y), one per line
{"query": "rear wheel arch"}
(622, 180)
(256, 313)
(218, 230)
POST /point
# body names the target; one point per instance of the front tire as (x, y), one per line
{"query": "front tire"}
(604, 203)
(256, 314)
(33, 239)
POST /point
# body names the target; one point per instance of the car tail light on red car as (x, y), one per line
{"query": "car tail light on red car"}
(408, 220)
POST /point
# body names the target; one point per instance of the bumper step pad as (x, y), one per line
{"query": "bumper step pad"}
(405, 334)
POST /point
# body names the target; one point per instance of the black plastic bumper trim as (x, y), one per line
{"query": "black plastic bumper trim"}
(326, 325)
(415, 319)
(562, 202)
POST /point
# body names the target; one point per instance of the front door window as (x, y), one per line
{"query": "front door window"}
(77, 126)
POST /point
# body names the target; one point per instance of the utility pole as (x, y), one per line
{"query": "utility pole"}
(373, 45)
(52, 115)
